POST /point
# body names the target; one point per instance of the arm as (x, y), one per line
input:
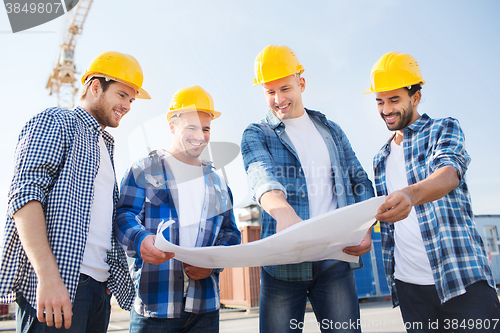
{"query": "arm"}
(446, 168)
(130, 230)
(261, 168)
(52, 295)
(39, 157)
(398, 204)
(275, 204)
(259, 164)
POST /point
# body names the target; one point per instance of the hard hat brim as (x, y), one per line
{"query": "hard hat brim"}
(139, 92)
(370, 90)
(215, 114)
(256, 81)
(143, 94)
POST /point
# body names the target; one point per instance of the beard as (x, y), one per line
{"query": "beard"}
(405, 118)
(103, 112)
(193, 152)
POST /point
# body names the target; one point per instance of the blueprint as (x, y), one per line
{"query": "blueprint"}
(319, 238)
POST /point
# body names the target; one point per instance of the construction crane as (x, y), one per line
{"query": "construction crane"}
(62, 79)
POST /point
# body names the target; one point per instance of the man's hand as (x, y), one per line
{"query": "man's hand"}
(150, 254)
(364, 247)
(51, 293)
(53, 303)
(397, 206)
(197, 273)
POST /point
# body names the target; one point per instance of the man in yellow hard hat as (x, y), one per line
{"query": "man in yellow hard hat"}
(60, 260)
(178, 188)
(301, 165)
(435, 262)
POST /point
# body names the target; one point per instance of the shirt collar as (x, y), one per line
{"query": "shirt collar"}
(162, 153)
(416, 126)
(89, 121)
(419, 124)
(274, 121)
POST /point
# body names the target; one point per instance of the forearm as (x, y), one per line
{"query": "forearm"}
(275, 204)
(434, 187)
(130, 233)
(32, 229)
(398, 204)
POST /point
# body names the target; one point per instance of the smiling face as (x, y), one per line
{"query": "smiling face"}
(110, 106)
(191, 132)
(397, 108)
(284, 96)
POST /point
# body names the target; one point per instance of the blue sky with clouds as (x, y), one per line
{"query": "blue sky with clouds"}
(214, 43)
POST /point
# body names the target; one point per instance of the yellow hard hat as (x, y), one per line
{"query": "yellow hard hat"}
(275, 62)
(393, 71)
(193, 98)
(119, 67)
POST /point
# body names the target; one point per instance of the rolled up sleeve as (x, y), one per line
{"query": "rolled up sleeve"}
(450, 148)
(258, 162)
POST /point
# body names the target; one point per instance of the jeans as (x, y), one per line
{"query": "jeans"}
(188, 322)
(332, 293)
(475, 311)
(91, 310)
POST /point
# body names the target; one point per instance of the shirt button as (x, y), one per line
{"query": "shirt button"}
(279, 131)
(303, 195)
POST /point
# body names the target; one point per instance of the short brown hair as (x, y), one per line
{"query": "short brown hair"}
(105, 83)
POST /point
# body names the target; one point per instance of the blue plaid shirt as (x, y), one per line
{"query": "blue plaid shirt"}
(454, 247)
(272, 163)
(149, 196)
(57, 158)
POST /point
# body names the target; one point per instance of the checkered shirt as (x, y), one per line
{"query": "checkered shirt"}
(57, 159)
(149, 195)
(272, 163)
(453, 245)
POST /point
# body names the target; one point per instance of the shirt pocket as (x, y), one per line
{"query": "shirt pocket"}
(156, 190)
(157, 196)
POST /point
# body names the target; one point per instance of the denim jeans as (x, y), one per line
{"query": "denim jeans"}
(188, 322)
(475, 311)
(91, 310)
(332, 293)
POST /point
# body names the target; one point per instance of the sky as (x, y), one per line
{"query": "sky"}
(214, 44)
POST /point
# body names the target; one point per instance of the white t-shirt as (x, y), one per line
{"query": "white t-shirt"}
(412, 263)
(95, 258)
(315, 160)
(191, 191)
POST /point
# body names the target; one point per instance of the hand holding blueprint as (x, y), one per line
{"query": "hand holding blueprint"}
(319, 238)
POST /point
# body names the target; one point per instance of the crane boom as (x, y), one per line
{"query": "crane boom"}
(62, 79)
